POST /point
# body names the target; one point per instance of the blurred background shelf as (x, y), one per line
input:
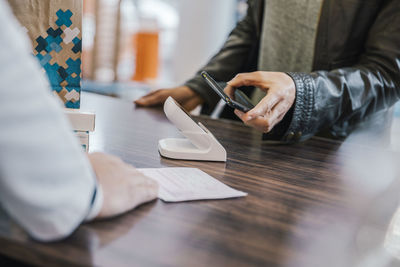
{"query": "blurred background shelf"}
(156, 41)
(125, 90)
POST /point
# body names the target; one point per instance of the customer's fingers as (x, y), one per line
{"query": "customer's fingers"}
(277, 114)
(265, 122)
(230, 91)
(263, 107)
(154, 98)
(258, 78)
(146, 96)
(240, 114)
(259, 123)
(152, 92)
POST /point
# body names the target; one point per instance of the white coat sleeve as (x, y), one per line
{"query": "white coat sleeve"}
(46, 181)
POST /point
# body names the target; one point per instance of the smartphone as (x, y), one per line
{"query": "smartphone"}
(241, 102)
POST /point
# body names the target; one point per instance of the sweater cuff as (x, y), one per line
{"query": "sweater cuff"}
(96, 205)
(204, 91)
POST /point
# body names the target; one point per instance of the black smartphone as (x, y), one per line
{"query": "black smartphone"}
(241, 102)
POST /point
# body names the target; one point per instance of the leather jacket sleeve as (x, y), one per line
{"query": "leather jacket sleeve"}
(338, 100)
(237, 55)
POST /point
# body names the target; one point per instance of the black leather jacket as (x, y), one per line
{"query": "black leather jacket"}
(356, 69)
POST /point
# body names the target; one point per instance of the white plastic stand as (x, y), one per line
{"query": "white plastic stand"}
(199, 144)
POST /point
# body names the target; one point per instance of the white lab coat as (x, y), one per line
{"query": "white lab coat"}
(46, 181)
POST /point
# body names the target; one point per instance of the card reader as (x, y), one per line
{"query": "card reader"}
(199, 144)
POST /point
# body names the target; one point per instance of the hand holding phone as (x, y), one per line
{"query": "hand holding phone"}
(241, 102)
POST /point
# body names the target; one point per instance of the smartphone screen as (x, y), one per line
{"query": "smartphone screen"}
(242, 106)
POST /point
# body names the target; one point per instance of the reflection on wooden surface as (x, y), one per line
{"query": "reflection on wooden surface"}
(306, 207)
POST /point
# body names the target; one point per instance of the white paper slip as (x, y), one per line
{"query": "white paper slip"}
(185, 184)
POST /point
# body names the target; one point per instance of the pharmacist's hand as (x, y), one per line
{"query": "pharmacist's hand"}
(183, 94)
(124, 188)
(281, 93)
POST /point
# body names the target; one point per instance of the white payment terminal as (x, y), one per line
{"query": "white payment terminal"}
(199, 144)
